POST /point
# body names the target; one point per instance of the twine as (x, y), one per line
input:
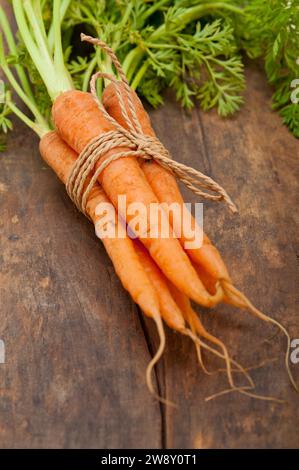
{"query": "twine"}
(134, 143)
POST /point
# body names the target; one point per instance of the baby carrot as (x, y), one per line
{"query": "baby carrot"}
(60, 157)
(78, 120)
(164, 183)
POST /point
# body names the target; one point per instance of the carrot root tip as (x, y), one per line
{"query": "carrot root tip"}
(245, 303)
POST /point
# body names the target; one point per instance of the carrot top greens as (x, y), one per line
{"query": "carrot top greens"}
(191, 46)
(270, 30)
(167, 44)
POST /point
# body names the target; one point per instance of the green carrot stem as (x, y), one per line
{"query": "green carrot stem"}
(138, 77)
(37, 128)
(31, 105)
(52, 70)
(4, 24)
(63, 9)
(134, 57)
(88, 73)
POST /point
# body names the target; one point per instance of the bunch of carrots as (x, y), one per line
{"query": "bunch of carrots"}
(161, 275)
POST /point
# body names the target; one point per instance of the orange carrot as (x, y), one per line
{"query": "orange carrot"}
(137, 271)
(170, 312)
(60, 157)
(78, 120)
(166, 189)
(164, 183)
(176, 310)
(142, 283)
(229, 295)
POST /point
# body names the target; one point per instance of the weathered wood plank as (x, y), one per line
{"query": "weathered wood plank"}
(75, 351)
(77, 347)
(256, 159)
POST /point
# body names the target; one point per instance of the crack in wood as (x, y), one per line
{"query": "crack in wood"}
(160, 383)
(206, 154)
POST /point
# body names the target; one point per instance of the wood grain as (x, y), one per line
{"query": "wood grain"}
(256, 159)
(77, 347)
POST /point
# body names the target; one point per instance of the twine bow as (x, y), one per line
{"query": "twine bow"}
(134, 142)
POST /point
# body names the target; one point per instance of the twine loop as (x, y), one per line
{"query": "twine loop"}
(130, 142)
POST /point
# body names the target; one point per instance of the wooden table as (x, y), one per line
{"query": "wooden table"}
(77, 347)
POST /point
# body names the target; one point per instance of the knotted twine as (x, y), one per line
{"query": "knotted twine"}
(134, 142)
